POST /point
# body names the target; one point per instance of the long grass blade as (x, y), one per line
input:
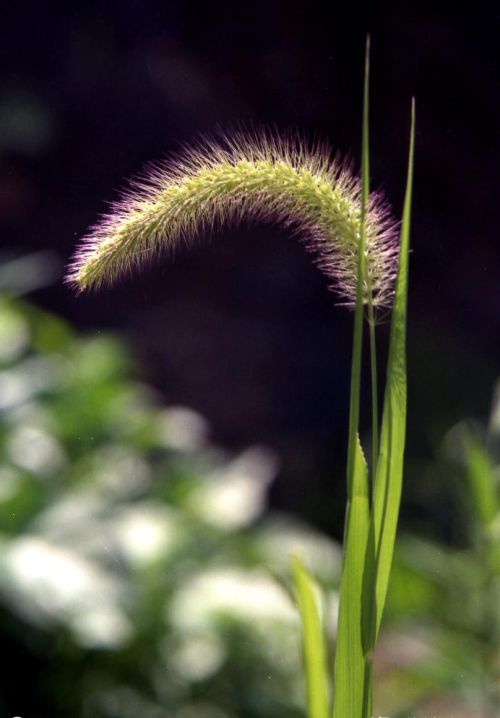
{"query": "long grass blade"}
(313, 640)
(389, 475)
(352, 696)
(351, 690)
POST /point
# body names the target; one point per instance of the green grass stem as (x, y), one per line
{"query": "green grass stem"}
(352, 674)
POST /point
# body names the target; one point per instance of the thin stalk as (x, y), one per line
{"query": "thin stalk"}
(365, 195)
(374, 381)
(355, 394)
(371, 581)
(358, 315)
(368, 695)
(355, 380)
(352, 675)
(365, 192)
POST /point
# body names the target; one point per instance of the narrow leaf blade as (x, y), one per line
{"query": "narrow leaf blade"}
(389, 475)
(350, 674)
(313, 640)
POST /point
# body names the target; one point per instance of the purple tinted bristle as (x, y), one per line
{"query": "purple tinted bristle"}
(267, 176)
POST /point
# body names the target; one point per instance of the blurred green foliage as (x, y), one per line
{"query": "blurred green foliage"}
(137, 575)
(442, 653)
(140, 574)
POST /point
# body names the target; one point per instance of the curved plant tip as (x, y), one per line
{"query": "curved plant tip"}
(256, 175)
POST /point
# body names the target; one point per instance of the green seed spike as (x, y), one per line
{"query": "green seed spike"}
(258, 175)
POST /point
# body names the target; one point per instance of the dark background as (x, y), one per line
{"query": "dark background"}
(243, 328)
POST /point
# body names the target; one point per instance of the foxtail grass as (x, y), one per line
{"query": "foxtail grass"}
(247, 175)
(354, 240)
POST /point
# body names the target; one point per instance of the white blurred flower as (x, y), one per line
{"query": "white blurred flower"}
(15, 388)
(101, 627)
(119, 471)
(198, 657)
(145, 531)
(49, 584)
(32, 413)
(82, 520)
(34, 449)
(246, 596)
(283, 536)
(75, 507)
(237, 496)
(181, 428)
(29, 378)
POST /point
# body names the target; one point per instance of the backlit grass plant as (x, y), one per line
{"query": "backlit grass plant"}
(355, 242)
